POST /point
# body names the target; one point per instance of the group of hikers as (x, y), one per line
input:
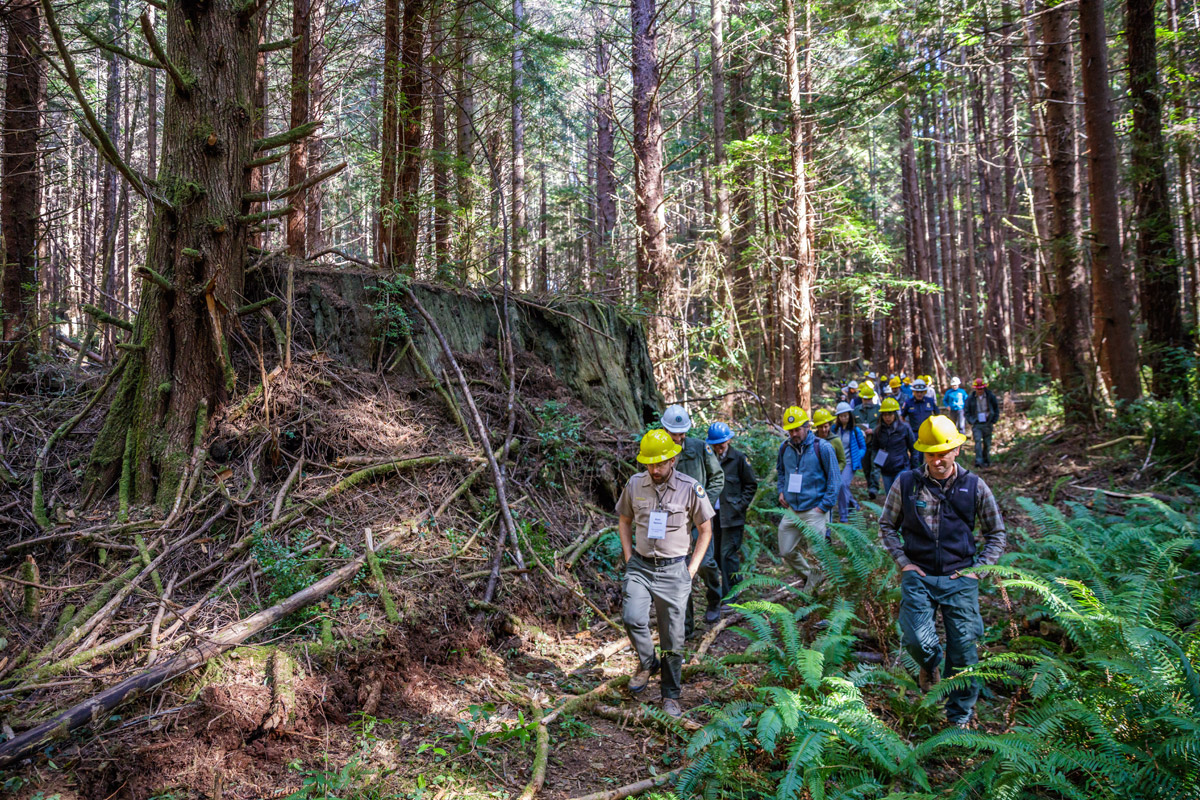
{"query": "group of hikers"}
(685, 515)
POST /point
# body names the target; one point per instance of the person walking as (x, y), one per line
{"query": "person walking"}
(868, 416)
(822, 421)
(982, 412)
(730, 523)
(928, 526)
(955, 401)
(854, 443)
(807, 483)
(697, 462)
(655, 513)
(893, 442)
(920, 408)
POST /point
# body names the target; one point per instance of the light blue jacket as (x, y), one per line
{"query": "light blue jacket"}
(955, 399)
(857, 448)
(815, 461)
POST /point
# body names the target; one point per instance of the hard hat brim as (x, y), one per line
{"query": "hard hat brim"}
(676, 428)
(660, 457)
(940, 447)
(719, 441)
(795, 425)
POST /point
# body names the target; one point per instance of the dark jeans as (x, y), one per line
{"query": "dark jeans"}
(870, 470)
(727, 546)
(710, 574)
(982, 433)
(958, 598)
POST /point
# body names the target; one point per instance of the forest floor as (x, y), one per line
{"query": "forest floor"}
(442, 704)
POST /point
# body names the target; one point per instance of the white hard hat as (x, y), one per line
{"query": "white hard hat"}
(853, 384)
(843, 408)
(919, 385)
(676, 420)
(872, 375)
(887, 389)
(955, 383)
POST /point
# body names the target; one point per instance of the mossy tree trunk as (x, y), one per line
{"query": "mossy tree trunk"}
(198, 245)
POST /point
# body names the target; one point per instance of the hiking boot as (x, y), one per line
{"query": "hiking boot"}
(871, 495)
(671, 708)
(928, 678)
(639, 681)
(712, 616)
(726, 608)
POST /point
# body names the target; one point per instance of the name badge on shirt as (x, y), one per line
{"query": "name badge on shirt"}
(795, 482)
(881, 458)
(983, 416)
(657, 529)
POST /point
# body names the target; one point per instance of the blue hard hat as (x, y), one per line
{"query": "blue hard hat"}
(718, 433)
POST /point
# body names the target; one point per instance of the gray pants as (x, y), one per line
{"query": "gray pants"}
(792, 540)
(669, 587)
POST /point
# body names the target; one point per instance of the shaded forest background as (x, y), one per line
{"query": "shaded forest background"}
(783, 190)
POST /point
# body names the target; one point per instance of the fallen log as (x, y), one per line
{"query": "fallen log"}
(99, 706)
(632, 789)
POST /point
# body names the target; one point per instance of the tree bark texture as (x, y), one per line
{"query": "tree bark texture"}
(799, 324)
(302, 42)
(606, 179)
(410, 107)
(658, 276)
(198, 245)
(20, 188)
(518, 257)
(1111, 310)
(1071, 305)
(389, 136)
(1157, 258)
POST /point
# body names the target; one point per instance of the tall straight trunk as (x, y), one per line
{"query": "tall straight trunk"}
(720, 187)
(606, 181)
(1071, 305)
(542, 279)
(971, 294)
(658, 276)
(1039, 198)
(198, 246)
(743, 221)
(803, 266)
(1016, 268)
(318, 56)
(1111, 309)
(952, 301)
(440, 155)
(302, 42)
(20, 184)
(1187, 183)
(987, 195)
(257, 183)
(409, 156)
(1158, 260)
(518, 258)
(108, 278)
(390, 135)
(464, 105)
(918, 243)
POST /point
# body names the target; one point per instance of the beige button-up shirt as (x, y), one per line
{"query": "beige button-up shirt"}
(685, 501)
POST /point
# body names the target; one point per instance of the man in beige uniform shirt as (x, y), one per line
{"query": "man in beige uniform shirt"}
(656, 513)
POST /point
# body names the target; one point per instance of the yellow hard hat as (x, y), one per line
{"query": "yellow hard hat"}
(928, 379)
(865, 385)
(894, 382)
(821, 416)
(889, 404)
(794, 417)
(657, 446)
(937, 435)
(907, 379)
(866, 392)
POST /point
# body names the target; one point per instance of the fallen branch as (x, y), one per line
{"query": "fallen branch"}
(537, 772)
(587, 698)
(287, 487)
(101, 705)
(637, 716)
(586, 545)
(632, 789)
(729, 619)
(1103, 445)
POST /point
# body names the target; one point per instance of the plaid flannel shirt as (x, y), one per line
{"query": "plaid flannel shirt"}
(987, 517)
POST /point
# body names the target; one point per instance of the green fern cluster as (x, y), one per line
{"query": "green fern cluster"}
(807, 730)
(1114, 708)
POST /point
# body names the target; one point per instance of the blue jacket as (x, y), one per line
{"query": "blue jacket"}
(904, 393)
(917, 411)
(857, 448)
(816, 462)
(955, 399)
(897, 441)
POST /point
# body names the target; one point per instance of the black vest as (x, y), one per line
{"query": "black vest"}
(954, 547)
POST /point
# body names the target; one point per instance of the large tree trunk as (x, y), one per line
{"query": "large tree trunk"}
(1071, 308)
(440, 154)
(1111, 309)
(518, 258)
(1187, 183)
(302, 42)
(1016, 267)
(606, 181)
(318, 57)
(409, 155)
(198, 246)
(1158, 260)
(465, 142)
(108, 181)
(919, 256)
(20, 189)
(720, 189)
(389, 136)
(799, 323)
(658, 276)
